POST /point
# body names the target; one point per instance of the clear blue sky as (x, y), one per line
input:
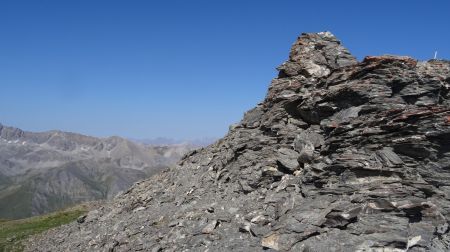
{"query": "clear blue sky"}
(181, 69)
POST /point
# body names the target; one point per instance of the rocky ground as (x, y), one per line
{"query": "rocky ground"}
(340, 156)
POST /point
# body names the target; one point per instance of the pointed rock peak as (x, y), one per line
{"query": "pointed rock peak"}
(321, 48)
(316, 55)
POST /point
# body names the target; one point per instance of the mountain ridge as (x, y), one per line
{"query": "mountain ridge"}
(163, 141)
(45, 171)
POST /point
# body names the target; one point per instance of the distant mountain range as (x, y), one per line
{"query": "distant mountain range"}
(42, 172)
(163, 141)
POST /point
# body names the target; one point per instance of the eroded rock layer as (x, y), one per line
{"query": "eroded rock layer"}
(340, 156)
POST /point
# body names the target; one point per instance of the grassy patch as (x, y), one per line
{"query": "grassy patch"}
(13, 232)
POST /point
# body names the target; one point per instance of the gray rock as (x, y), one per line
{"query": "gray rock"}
(287, 159)
(81, 219)
(208, 229)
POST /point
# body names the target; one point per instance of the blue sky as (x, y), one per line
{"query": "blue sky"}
(181, 69)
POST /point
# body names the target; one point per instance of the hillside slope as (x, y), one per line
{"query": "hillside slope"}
(14, 232)
(43, 172)
(340, 156)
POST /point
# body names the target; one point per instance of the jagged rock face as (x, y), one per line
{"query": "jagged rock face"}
(46, 171)
(340, 156)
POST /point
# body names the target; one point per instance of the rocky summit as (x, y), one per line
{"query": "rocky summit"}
(340, 156)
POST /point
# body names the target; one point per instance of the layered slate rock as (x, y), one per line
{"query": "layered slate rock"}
(340, 156)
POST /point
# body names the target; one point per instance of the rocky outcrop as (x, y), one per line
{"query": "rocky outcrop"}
(340, 156)
(46, 171)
